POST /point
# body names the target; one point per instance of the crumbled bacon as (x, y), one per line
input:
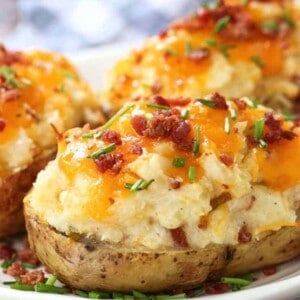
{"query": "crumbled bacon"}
(156, 87)
(252, 200)
(139, 124)
(2, 124)
(179, 237)
(109, 161)
(9, 57)
(16, 270)
(219, 101)
(28, 256)
(163, 34)
(217, 288)
(160, 100)
(288, 135)
(203, 223)
(226, 159)
(6, 252)
(198, 55)
(112, 136)
(32, 278)
(267, 271)
(244, 236)
(136, 149)
(221, 199)
(9, 95)
(180, 101)
(241, 104)
(174, 183)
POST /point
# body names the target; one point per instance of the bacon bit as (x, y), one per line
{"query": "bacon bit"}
(267, 271)
(190, 23)
(32, 278)
(271, 122)
(59, 136)
(219, 100)
(2, 124)
(136, 149)
(163, 34)
(6, 252)
(112, 136)
(180, 101)
(198, 55)
(28, 256)
(160, 100)
(109, 161)
(156, 87)
(16, 270)
(10, 95)
(288, 135)
(244, 236)
(221, 199)
(174, 183)
(217, 288)
(139, 124)
(203, 223)
(226, 159)
(252, 200)
(10, 57)
(240, 104)
(179, 237)
(179, 134)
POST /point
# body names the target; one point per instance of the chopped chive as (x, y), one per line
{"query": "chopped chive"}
(46, 288)
(224, 49)
(105, 150)
(235, 281)
(270, 25)
(51, 280)
(248, 276)
(196, 144)
(168, 297)
(288, 116)
(244, 2)
(82, 294)
(9, 75)
(8, 282)
(259, 129)
(179, 162)
(146, 184)
(7, 263)
(185, 114)
(158, 106)
(233, 113)
(128, 297)
(28, 265)
(227, 125)
(221, 24)
(139, 295)
(117, 295)
(67, 74)
(206, 102)
(88, 135)
(98, 134)
(148, 116)
(211, 42)
(258, 61)
(99, 295)
(288, 19)
(262, 144)
(188, 48)
(138, 185)
(192, 173)
(171, 51)
(62, 88)
(120, 113)
(22, 287)
(251, 103)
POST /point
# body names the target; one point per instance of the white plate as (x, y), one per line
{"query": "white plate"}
(284, 285)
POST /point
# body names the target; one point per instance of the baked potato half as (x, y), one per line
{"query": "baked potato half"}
(167, 196)
(40, 93)
(235, 49)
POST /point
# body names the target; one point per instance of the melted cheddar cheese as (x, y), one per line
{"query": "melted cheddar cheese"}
(120, 183)
(255, 52)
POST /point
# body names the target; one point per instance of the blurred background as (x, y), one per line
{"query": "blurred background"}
(72, 25)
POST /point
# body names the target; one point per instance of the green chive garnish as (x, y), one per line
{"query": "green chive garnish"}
(288, 19)
(46, 288)
(288, 116)
(158, 106)
(235, 281)
(221, 24)
(99, 295)
(224, 49)
(251, 103)
(259, 129)
(262, 144)
(102, 151)
(8, 282)
(88, 135)
(28, 266)
(128, 297)
(9, 75)
(211, 42)
(258, 61)
(206, 102)
(6, 263)
(22, 287)
(114, 118)
(233, 113)
(139, 295)
(270, 26)
(227, 125)
(179, 162)
(171, 51)
(117, 295)
(81, 293)
(192, 173)
(196, 144)
(185, 114)
(168, 297)
(188, 48)
(138, 185)
(67, 74)
(51, 280)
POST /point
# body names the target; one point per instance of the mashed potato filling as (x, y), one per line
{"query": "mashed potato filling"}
(122, 183)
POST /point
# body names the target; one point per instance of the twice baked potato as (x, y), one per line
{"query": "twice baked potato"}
(37, 90)
(166, 196)
(237, 50)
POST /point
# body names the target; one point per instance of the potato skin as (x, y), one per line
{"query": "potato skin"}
(13, 188)
(87, 264)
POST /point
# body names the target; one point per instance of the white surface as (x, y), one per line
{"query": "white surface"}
(284, 285)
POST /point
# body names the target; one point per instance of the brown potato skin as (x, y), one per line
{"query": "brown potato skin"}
(13, 188)
(86, 264)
